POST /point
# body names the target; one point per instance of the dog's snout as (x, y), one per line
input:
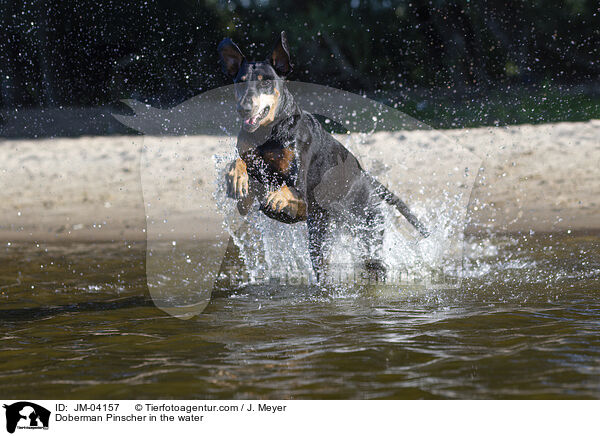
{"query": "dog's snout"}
(245, 107)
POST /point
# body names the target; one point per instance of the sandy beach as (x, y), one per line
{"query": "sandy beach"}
(540, 178)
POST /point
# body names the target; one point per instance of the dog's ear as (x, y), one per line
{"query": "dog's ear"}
(231, 57)
(280, 59)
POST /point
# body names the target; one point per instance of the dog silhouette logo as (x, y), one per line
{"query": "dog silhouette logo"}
(26, 415)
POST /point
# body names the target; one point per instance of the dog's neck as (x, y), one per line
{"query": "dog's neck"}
(287, 115)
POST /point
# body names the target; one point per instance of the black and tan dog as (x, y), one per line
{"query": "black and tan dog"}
(296, 169)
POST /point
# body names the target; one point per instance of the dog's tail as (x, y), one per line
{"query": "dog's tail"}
(389, 197)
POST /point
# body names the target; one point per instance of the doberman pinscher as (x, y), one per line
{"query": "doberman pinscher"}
(296, 169)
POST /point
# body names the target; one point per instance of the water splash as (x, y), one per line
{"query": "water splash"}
(273, 252)
(184, 199)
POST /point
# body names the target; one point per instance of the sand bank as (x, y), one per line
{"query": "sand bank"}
(541, 178)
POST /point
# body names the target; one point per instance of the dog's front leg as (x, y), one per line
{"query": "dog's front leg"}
(319, 238)
(237, 179)
(287, 200)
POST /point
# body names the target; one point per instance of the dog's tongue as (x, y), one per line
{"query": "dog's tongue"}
(252, 120)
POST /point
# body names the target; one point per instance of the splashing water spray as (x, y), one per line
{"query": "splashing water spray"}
(197, 241)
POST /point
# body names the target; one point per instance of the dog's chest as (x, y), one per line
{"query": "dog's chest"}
(279, 156)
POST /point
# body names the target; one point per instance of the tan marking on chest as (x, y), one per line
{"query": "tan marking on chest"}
(280, 160)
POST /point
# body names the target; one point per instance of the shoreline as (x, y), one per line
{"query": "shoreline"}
(90, 189)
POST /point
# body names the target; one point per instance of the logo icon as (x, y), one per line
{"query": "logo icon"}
(26, 415)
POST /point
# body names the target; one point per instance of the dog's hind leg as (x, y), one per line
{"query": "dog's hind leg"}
(367, 224)
(370, 236)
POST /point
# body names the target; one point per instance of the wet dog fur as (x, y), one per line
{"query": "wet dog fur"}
(286, 157)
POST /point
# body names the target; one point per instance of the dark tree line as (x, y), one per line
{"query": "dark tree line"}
(93, 52)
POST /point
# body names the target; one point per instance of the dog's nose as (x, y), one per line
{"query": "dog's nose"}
(245, 107)
(245, 112)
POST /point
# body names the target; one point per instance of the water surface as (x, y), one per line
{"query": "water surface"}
(76, 321)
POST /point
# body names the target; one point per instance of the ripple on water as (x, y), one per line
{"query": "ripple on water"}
(524, 324)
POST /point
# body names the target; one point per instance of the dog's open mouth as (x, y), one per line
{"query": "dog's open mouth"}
(253, 121)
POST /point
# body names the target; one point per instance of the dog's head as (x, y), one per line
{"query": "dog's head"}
(258, 85)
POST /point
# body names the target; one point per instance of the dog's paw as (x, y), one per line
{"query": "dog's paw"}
(286, 200)
(237, 180)
(278, 201)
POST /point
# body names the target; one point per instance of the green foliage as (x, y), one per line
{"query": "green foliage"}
(93, 52)
(502, 107)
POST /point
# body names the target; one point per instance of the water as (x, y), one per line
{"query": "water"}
(76, 321)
